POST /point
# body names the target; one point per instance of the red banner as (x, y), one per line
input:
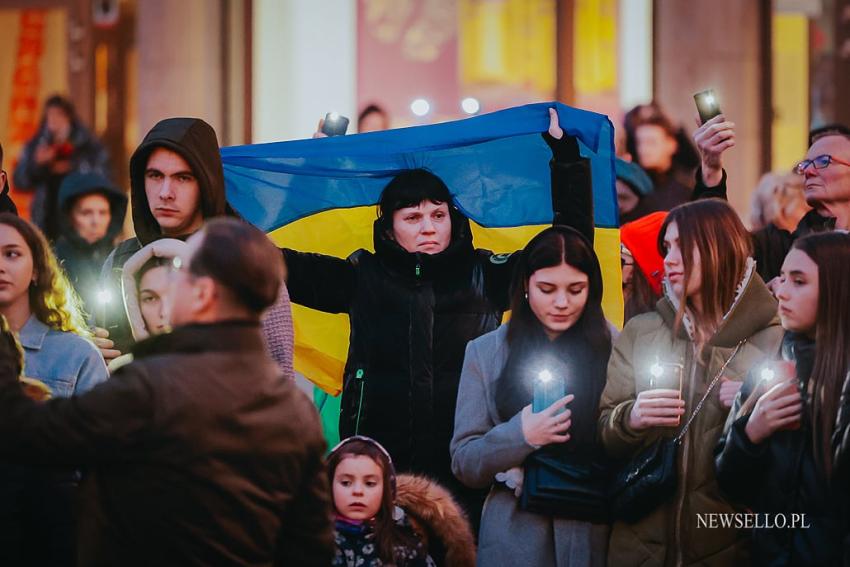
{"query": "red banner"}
(26, 82)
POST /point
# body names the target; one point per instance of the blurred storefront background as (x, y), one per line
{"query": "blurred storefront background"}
(267, 70)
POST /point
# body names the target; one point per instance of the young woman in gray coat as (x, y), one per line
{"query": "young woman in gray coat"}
(557, 338)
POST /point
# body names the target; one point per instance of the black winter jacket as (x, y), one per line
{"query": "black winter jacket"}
(411, 316)
(770, 244)
(780, 476)
(82, 260)
(199, 453)
(196, 142)
(841, 465)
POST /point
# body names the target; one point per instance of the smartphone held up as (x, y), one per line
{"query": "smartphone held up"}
(334, 124)
(707, 105)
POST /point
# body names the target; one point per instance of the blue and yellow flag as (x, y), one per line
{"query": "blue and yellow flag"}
(319, 195)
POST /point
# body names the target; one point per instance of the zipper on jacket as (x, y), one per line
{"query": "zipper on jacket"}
(680, 501)
(359, 376)
(418, 270)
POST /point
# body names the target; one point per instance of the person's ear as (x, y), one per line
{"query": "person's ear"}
(205, 293)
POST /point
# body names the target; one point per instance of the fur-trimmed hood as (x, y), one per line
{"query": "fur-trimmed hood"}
(436, 516)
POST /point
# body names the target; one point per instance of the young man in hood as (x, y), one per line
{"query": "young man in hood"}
(92, 215)
(176, 182)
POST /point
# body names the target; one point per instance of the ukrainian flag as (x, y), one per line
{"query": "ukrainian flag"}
(319, 195)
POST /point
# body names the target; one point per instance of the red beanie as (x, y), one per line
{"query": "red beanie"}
(641, 238)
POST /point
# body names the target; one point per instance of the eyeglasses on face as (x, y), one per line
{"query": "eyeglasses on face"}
(820, 162)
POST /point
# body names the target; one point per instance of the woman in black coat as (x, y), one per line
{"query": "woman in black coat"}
(776, 456)
(415, 302)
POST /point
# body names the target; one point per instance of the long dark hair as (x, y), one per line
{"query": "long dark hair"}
(713, 228)
(387, 536)
(587, 340)
(52, 298)
(830, 251)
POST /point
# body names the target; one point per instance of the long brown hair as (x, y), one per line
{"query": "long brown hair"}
(712, 228)
(830, 251)
(387, 536)
(52, 298)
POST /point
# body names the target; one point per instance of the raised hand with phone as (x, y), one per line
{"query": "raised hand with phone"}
(714, 135)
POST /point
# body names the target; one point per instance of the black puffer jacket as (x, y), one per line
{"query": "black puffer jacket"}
(196, 141)
(83, 260)
(780, 476)
(770, 244)
(411, 316)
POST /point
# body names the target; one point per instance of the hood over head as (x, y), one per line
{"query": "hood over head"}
(76, 185)
(196, 142)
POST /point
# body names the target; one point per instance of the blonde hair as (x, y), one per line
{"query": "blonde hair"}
(777, 196)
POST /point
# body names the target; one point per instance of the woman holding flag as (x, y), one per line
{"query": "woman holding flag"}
(414, 304)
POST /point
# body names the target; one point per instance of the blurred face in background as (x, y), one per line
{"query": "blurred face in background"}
(90, 217)
(627, 199)
(797, 293)
(374, 122)
(655, 147)
(153, 294)
(58, 124)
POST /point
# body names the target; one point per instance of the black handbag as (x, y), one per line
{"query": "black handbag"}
(573, 486)
(649, 479)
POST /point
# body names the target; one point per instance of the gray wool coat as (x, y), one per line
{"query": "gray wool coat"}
(484, 445)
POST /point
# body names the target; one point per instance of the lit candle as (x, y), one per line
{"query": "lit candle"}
(548, 389)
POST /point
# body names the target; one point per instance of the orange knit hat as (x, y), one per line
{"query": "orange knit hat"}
(641, 238)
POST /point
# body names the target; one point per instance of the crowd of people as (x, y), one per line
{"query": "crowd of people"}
(164, 426)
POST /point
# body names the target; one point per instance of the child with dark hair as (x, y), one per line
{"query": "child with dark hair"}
(369, 528)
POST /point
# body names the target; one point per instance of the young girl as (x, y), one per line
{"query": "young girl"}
(42, 308)
(557, 330)
(776, 455)
(369, 529)
(716, 312)
(145, 282)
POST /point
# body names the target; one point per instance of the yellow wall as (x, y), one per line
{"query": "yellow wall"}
(790, 89)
